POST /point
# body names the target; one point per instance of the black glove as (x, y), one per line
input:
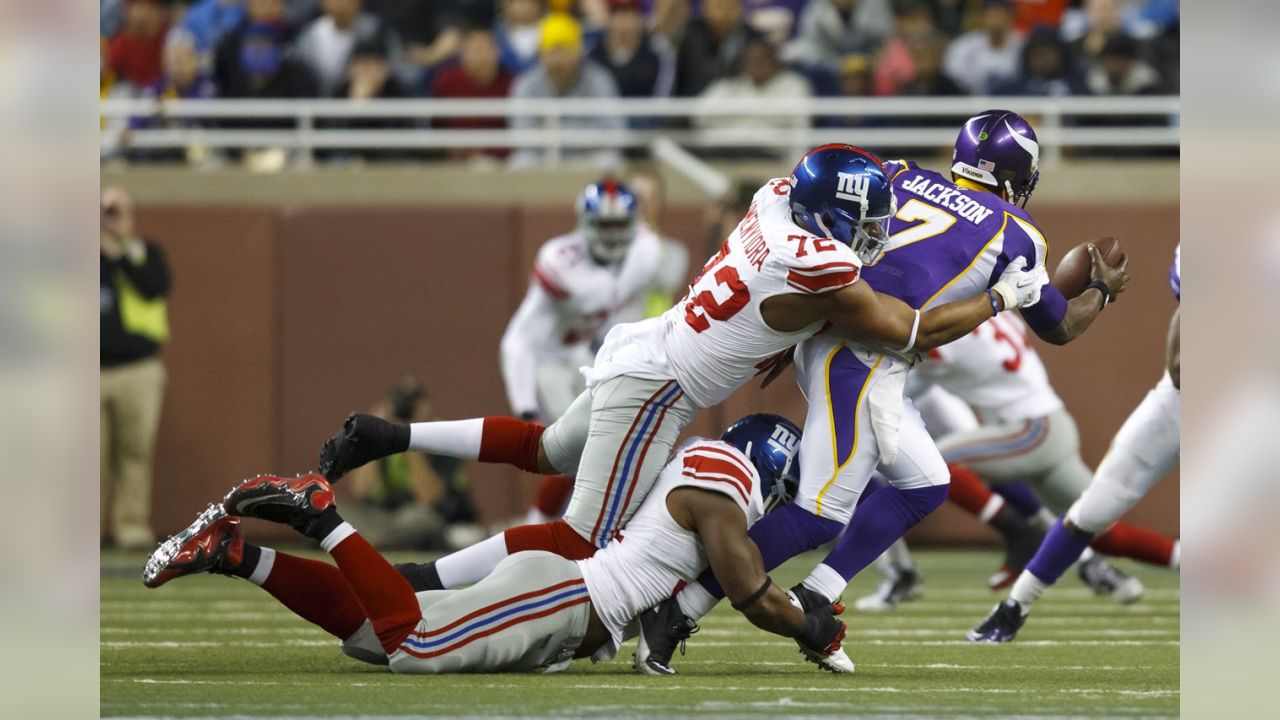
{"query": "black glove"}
(823, 632)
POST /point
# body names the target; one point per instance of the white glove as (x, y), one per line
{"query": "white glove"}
(1018, 287)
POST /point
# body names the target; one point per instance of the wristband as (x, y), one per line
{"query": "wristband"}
(1102, 288)
(743, 605)
(915, 328)
(995, 309)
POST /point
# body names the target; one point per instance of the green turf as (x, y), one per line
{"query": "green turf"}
(213, 646)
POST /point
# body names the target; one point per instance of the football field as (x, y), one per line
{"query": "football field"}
(215, 646)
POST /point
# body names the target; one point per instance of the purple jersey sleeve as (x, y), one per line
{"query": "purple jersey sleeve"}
(1048, 313)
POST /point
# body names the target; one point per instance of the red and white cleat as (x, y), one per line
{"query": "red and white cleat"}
(214, 543)
(297, 501)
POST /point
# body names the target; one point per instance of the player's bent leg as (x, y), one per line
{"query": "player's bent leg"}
(471, 564)
(634, 425)
(531, 613)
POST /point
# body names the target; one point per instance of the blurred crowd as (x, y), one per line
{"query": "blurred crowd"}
(770, 50)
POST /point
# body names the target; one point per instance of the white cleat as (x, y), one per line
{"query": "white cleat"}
(836, 661)
(892, 591)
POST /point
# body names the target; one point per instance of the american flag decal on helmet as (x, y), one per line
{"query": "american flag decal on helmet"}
(986, 165)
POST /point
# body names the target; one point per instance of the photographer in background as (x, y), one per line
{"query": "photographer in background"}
(410, 501)
(134, 325)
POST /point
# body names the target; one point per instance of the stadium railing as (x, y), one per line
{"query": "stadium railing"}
(884, 123)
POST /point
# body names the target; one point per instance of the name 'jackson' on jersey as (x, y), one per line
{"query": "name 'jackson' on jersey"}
(715, 339)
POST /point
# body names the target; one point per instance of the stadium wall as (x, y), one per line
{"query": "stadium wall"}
(286, 317)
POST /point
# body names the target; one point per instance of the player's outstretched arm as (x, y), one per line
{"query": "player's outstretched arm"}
(530, 329)
(1084, 308)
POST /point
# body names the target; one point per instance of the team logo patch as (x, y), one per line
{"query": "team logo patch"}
(784, 439)
(853, 187)
(983, 135)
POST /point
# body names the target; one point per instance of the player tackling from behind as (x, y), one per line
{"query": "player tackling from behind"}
(1143, 451)
(790, 269)
(537, 610)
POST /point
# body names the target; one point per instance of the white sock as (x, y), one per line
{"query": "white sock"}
(1175, 560)
(266, 561)
(1026, 590)
(1087, 555)
(472, 564)
(536, 517)
(455, 438)
(993, 506)
(337, 535)
(695, 601)
(826, 581)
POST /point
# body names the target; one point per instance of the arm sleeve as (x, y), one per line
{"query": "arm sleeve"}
(816, 266)
(151, 275)
(1048, 313)
(719, 468)
(530, 329)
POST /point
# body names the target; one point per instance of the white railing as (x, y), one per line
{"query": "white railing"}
(557, 124)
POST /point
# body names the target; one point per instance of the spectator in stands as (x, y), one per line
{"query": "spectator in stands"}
(518, 32)
(831, 29)
(711, 47)
(134, 282)
(981, 59)
(183, 77)
(407, 501)
(264, 69)
(136, 53)
(928, 51)
(226, 59)
(642, 65)
(764, 79)
(1119, 71)
(431, 31)
(895, 66)
(479, 75)
(1088, 28)
(563, 72)
(208, 20)
(777, 20)
(855, 75)
(325, 45)
(1031, 14)
(1046, 68)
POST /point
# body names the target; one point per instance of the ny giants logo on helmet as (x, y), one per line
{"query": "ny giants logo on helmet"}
(853, 187)
(784, 439)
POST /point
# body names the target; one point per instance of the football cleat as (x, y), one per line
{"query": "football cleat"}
(362, 439)
(806, 599)
(1001, 625)
(833, 658)
(213, 543)
(1103, 578)
(1003, 578)
(892, 591)
(297, 501)
(663, 628)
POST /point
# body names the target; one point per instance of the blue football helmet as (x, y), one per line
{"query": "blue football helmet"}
(607, 217)
(772, 443)
(842, 192)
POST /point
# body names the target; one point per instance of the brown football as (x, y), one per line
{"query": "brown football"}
(1072, 274)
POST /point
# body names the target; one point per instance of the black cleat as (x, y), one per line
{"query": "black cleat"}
(903, 587)
(1103, 578)
(1001, 625)
(299, 502)
(663, 628)
(362, 439)
(806, 599)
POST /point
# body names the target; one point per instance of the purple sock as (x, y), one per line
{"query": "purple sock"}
(1019, 496)
(880, 521)
(1059, 551)
(782, 535)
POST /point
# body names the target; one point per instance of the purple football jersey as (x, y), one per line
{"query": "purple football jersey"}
(950, 243)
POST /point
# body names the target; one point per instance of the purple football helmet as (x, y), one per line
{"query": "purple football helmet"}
(998, 148)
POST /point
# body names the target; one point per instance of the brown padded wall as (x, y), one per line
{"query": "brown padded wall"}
(345, 299)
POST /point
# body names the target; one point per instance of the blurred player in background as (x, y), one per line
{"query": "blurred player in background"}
(790, 269)
(1143, 451)
(583, 283)
(537, 611)
(1010, 427)
(948, 238)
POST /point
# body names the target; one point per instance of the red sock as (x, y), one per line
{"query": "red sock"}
(316, 592)
(1134, 542)
(556, 537)
(386, 596)
(553, 495)
(969, 492)
(511, 441)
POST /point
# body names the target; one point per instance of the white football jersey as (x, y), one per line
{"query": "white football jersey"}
(572, 301)
(714, 340)
(652, 555)
(994, 369)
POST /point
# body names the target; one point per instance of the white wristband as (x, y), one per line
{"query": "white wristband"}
(915, 328)
(1008, 295)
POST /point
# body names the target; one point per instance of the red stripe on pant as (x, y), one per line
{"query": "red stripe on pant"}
(644, 452)
(617, 459)
(498, 628)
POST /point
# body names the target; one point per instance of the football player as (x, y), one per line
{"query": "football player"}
(790, 269)
(1143, 451)
(582, 283)
(537, 611)
(948, 238)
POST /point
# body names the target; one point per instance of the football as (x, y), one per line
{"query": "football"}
(1072, 274)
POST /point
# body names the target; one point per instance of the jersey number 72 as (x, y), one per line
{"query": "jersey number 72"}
(702, 306)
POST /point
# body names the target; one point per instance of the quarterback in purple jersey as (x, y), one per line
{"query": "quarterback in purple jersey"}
(1144, 450)
(949, 238)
